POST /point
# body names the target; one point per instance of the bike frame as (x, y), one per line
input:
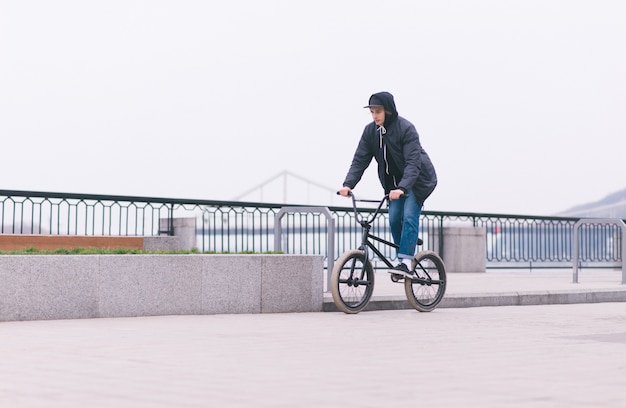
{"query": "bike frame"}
(366, 224)
(353, 277)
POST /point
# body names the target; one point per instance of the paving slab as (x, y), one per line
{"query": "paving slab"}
(569, 355)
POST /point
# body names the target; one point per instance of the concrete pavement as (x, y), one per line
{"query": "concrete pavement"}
(512, 356)
(549, 355)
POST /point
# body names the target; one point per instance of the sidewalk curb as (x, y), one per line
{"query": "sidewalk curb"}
(498, 299)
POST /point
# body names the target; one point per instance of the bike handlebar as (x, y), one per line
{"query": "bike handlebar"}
(361, 219)
(386, 197)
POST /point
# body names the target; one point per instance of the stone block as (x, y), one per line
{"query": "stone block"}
(149, 285)
(161, 243)
(36, 287)
(231, 284)
(291, 285)
(184, 230)
(464, 249)
(607, 295)
(47, 287)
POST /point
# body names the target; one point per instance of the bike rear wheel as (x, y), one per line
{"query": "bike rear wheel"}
(352, 282)
(426, 290)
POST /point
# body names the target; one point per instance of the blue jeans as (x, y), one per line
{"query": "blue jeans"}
(404, 220)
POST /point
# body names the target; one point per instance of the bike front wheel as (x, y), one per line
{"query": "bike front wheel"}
(352, 282)
(426, 290)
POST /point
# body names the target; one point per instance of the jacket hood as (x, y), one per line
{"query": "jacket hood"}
(384, 99)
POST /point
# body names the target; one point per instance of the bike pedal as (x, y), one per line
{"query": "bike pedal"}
(396, 278)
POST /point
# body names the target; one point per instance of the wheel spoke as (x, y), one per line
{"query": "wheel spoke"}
(425, 293)
(352, 282)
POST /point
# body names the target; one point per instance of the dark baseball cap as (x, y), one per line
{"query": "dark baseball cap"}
(375, 101)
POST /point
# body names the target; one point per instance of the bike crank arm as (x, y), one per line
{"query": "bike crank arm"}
(355, 282)
(428, 282)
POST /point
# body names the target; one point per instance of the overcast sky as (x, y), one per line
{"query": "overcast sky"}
(520, 104)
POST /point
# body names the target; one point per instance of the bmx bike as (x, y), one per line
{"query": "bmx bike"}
(352, 278)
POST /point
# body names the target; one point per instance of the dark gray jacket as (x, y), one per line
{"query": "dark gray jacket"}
(408, 158)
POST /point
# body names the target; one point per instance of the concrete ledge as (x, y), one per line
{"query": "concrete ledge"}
(41, 287)
(162, 243)
(498, 299)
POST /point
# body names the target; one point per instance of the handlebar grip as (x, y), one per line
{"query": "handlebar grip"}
(401, 196)
(349, 193)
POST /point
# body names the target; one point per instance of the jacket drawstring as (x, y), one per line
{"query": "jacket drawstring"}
(382, 131)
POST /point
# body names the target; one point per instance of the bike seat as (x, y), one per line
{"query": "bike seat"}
(419, 241)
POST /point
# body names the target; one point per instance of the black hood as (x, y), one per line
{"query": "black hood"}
(384, 99)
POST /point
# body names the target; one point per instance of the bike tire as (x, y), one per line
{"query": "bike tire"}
(426, 290)
(352, 293)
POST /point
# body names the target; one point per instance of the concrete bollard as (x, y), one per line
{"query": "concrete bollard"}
(184, 230)
(464, 249)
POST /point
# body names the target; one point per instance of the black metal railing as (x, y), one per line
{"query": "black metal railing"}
(227, 226)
